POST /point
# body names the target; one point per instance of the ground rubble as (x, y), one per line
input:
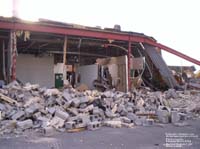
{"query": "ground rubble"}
(31, 107)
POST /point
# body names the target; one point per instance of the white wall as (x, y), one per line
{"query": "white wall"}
(88, 74)
(35, 69)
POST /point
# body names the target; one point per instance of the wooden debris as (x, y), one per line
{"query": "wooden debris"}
(8, 99)
(76, 129)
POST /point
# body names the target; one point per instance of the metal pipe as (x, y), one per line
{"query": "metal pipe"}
(77, 53)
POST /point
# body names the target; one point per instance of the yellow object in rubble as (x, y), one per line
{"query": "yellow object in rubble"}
(197, 75)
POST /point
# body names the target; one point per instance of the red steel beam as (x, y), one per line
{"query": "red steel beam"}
(177, 53)
(94, 34)
(72, 31)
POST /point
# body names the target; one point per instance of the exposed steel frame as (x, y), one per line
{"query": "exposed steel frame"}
(94, 34)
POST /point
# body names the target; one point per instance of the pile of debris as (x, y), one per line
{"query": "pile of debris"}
(33, 107)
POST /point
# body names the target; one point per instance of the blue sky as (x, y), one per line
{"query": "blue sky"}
(174, 23)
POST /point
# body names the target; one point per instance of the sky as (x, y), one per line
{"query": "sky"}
(174, 23)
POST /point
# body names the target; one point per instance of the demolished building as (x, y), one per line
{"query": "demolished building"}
(52, 53)
(115, 62)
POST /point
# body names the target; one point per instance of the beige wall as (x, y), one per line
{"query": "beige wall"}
(36, 69)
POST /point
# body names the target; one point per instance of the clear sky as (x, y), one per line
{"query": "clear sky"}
(175, 23)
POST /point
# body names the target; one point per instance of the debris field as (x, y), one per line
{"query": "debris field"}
(31, 107)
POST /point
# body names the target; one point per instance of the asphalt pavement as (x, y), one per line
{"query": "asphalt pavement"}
(139, 137)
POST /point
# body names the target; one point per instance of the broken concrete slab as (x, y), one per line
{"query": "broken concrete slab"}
(57, 122)
(113, 123)
(26, 124)
(61, 114)
(18, 115)
(70, 109)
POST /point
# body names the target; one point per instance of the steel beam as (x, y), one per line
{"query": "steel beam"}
(177, 53)
(73, 31)
(92, 34)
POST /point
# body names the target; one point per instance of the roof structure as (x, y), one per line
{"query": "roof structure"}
(61, 28)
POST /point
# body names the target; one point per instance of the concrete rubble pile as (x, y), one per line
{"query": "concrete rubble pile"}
(46, 110)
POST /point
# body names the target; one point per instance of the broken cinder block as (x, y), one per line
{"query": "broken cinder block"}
(18, 115)
(61, 114)
(25, 124)
(94, 125)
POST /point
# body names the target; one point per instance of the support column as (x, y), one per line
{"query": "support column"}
(64, 57)
(11, 57)
(14, 55)
(129, 58)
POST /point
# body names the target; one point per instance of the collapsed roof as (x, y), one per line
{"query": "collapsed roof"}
(90, 43)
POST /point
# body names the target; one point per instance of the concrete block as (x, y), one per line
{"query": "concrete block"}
(83, 99)
(148, 122)
(80, 125)
(8, 124)
(120, 108)
(18, 115)
(125, 119)
(128, 125)
(52, 92)
(83, 105)
(171, 93)
(20, 96)
(59, 101)
(118, 95)
(44, 121)
(109, 114)
(84, 118)
(32, 109)
(61, 114)
(163, 116)
(49, 131)
(95, 117)
(73, 111)
(139, 120)
(51, 101)
(51, 110)
(129, 109)
(32, 100)
(94, 125)
(130, 104)
(57, 122)
(67, 105)
(124, 112)
(175, 117)
(25, 124)
(75, 102)
(113, 123)
(66, 96)
(87, 109)
(10, 113)
(108, 94)
(70, 125)
(2, 107)
(96, 111)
